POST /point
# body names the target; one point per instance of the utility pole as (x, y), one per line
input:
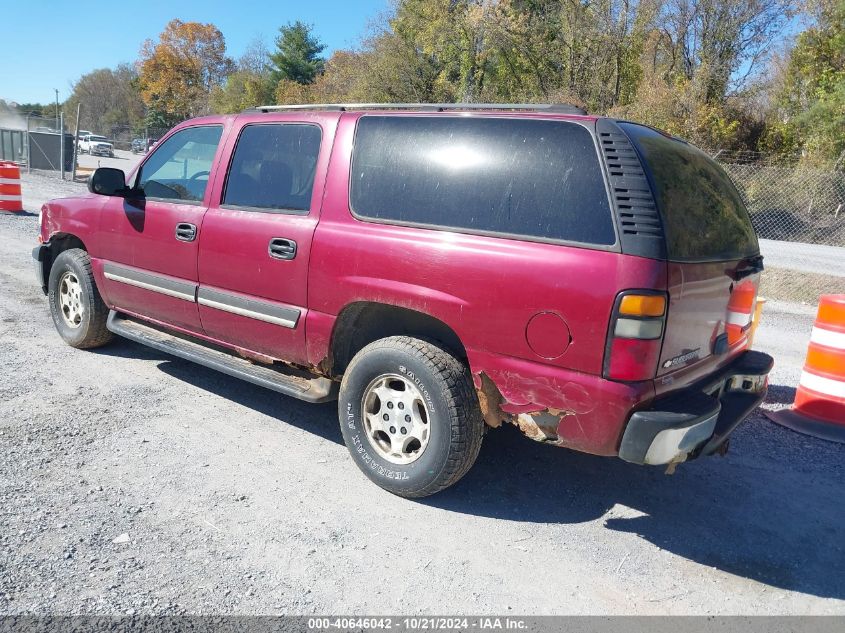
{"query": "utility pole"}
(76, 142)
(62, 146)
(57, 107)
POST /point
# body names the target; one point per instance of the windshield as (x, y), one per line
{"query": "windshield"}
(98, 138)
(703, 214)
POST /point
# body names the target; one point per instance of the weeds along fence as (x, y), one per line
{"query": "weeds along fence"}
(798, 210)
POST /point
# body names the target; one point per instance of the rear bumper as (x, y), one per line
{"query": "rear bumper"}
(699, 419)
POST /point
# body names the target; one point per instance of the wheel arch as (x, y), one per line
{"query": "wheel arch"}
(59, 243)
(360, 323)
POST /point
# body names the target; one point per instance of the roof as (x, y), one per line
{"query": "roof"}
(556, 108)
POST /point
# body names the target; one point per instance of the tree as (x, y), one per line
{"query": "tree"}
(249, 85)
(178, 73)
(109, 97)
(810, 105)
(297, 56)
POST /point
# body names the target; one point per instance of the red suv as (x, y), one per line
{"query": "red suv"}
(438, 270)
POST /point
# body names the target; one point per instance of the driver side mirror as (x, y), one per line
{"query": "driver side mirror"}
(108, 181)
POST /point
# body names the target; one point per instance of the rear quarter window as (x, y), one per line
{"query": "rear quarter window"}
(704, 217)
(535, 178)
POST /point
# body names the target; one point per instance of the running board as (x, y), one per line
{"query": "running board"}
(303, 387)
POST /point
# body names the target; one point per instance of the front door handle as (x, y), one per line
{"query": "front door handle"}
(282, 248)
(186, 232)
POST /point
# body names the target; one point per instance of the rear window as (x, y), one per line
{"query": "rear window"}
(520, 177)
(704, 217)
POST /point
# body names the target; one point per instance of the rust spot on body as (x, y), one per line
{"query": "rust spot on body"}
(490, 401)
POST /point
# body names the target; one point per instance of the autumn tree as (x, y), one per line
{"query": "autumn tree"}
(179, 71)
(109, 98)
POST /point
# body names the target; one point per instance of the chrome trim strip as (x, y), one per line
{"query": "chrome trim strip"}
(178, 289)
(252, 308)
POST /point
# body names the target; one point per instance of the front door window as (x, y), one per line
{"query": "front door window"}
(178, 169)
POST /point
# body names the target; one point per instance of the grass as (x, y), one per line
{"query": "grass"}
(793, 285)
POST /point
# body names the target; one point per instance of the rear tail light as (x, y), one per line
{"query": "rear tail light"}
(635, 335)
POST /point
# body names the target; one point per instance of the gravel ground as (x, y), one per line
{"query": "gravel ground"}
(131, 482)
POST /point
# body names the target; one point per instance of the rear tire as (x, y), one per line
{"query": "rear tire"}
(78, 311)
(410, 416)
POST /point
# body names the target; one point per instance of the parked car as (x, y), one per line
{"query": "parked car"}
(139, 146)
(440, 270)
(96, 145)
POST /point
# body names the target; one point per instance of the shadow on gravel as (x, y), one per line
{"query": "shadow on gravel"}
(771, 511)
(19, 214)
(752, 516)
(319, 419)
(779, 394)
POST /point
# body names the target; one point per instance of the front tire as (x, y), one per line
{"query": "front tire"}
(410, 416)
(78, 311)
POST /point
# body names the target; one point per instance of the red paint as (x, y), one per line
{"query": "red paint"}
(532, 316)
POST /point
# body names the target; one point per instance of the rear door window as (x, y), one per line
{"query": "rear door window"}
(704, 217)
(179, 168)
(504, 176)
(273, 167)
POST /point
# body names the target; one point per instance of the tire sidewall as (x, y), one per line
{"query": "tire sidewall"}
(66, 262)
(399, 478)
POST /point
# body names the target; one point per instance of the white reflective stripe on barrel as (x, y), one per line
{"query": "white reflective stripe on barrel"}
(828, 338)
(15, 198)
(820, 384)
(739, 318)
(10, 181)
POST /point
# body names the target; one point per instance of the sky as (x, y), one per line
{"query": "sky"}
(57, 41)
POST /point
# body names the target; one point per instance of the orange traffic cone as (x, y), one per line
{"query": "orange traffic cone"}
(10, 187)
(819, 407)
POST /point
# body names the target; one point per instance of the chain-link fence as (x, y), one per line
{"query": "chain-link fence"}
(36, 143)
(49, 145)
(798, 210)
(122, 136)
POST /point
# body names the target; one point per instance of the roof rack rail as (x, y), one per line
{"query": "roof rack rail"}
(564, 108)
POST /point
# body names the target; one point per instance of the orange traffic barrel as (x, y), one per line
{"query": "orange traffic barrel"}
(819, 407)
(10, 187)
(740, 311)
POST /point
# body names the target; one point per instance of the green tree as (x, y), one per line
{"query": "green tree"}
(249, 85)
(810, 112)
(297, 56)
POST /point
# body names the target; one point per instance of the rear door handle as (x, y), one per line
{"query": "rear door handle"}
(282, 248)
(186, 232)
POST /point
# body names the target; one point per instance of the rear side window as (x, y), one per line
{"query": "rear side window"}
(273, 167)
(520, 177)
(704, 217)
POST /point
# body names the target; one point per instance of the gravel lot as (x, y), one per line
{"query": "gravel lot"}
(131, 482)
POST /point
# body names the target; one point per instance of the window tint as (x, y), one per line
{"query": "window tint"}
(178, 169)
(534, 178)
(703, 214)
(273, 167)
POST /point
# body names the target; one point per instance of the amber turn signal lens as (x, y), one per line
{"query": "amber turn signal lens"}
(643, 305)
